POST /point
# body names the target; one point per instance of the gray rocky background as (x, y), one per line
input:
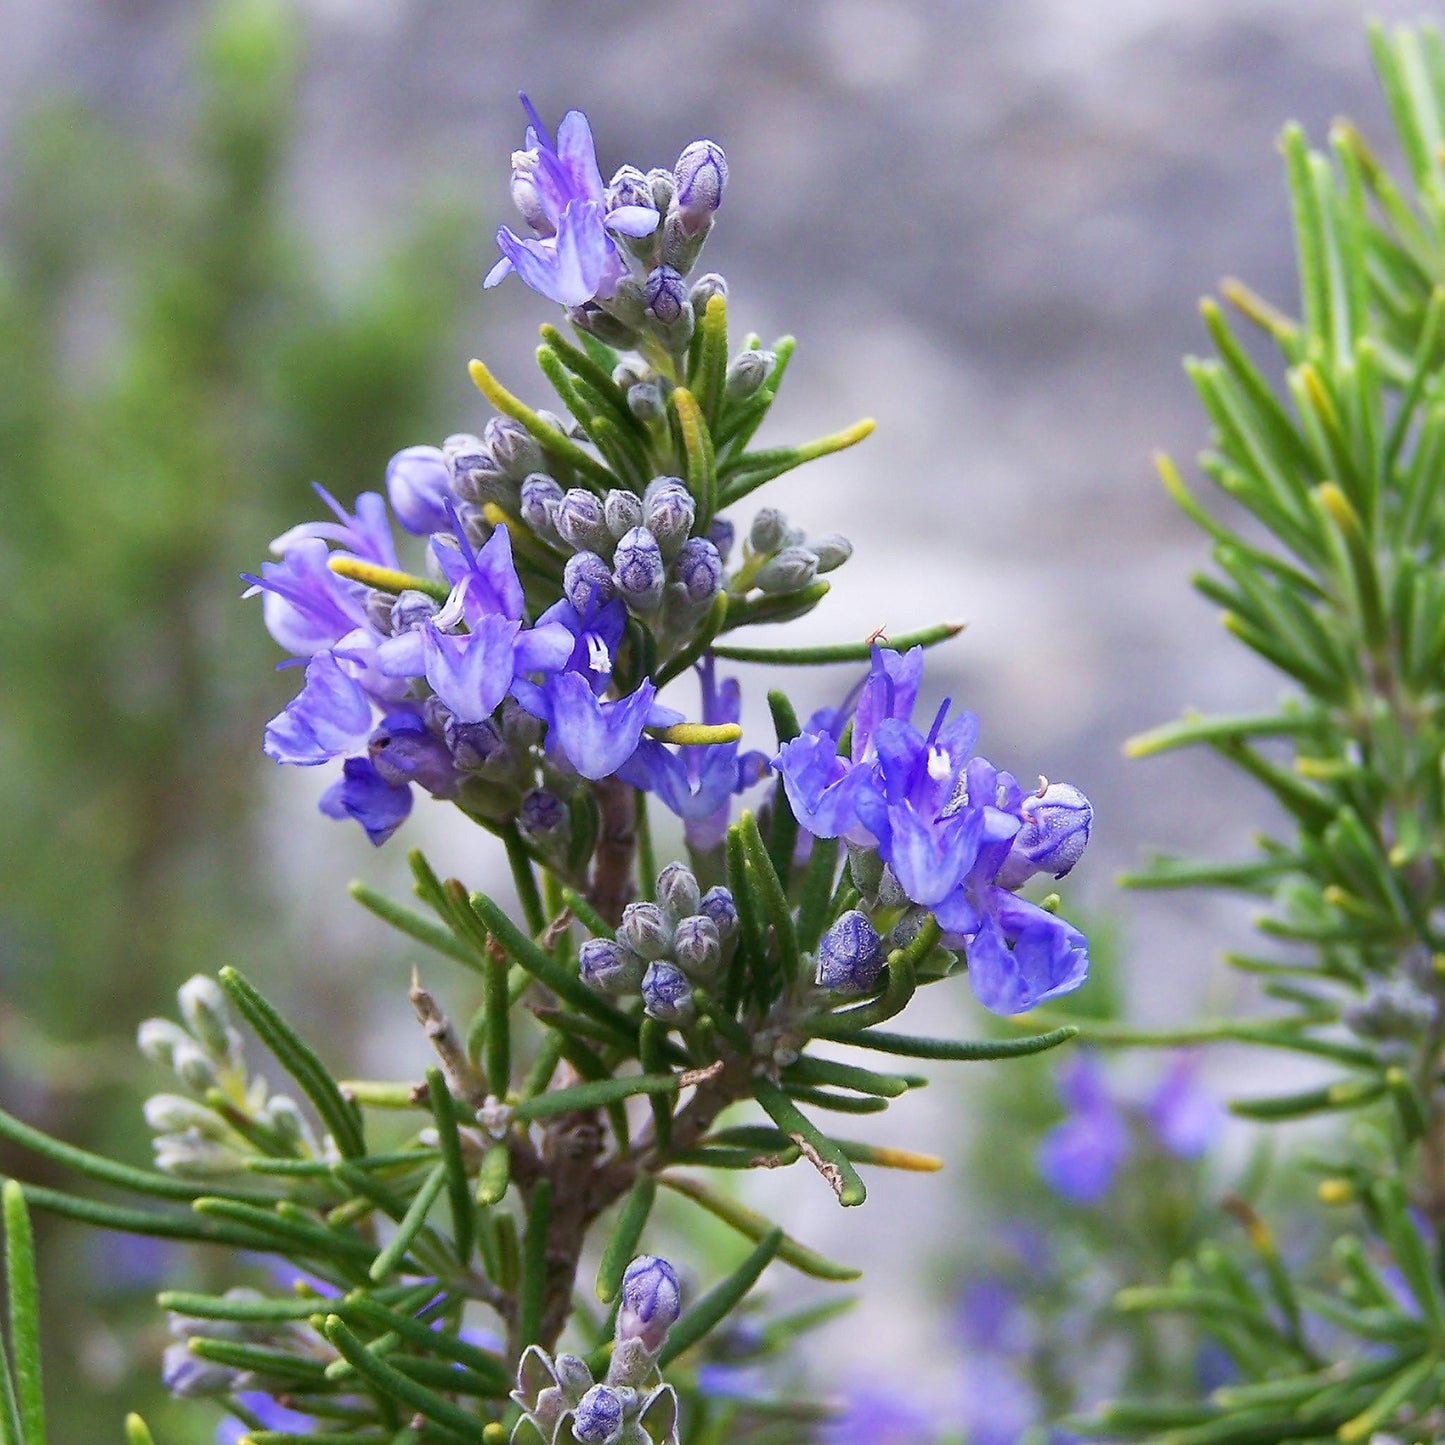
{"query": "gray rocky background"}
(988, 223)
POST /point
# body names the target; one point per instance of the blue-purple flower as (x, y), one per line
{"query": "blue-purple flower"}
(572, 258)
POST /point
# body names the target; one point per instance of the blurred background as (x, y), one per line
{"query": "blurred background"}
(241, 246)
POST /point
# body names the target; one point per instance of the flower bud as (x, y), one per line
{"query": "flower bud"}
(579, 522)
(418, 482)
(473, 744)
(629, 187)
(622, 511)
(188, 1377)
(697, 947)
(515, 449)
(603, 323)
(664, 187)
(637, 570)
(665, 296)
(700, 175)
(540, 499)
(573, 1377)
(704, 289)
(850, 955)
(670, 513)
(1392, 1009)
(542, 816)
(525, 194)
(677, 891)
(717, 903)
(609, 967)
(411, 609)
(722, 534)
(651, 1302)
(194, 1067)
(587, 582)
(1056, 823)
(597, 1420)
(666, 993)
(832, 550)
(699, 569)
(285, 1117)
(645, 930)
(747, 371)
(644, 400)
(189, 1155)
(769, 532)
(175, 1114)
(203, 1007)
(790, 571)
(476, 477)
(157, 1040)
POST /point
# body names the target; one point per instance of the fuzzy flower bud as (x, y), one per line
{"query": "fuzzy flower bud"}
(747, 371)
(1056, 823)
(609, 967)
(194, 1067)
(697, 947)
(542, 815)
(622, 511)
(666, 993)
(411, 609)
(645, 930)
(670, 512)
(597, 1420)
(769, 532)
(717, 903)
(665, 296)
(637, 570)
(574, 1379)
(174, 1114)
(651, 1302)
(700, 175)
(516, 450)
(850, 955)
(832, 550)
(677, 891)
(644, 400)
(699, 569)
(418, 482)
(705, 288)
(609, 329)
(630, 187)
(587, 581)
(722, 534)
(790, 571)
(540, 500)
(203, 1007)
(473, 744)
(158, 1039)
(580, 522)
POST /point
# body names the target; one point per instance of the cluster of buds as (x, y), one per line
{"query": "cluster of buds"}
(636, 548)
(631, 1406)
(779, 558)
(664, 950)
(617, 257)
(223, 1117)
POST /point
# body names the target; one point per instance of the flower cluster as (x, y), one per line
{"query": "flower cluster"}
(665, 949)
(954, 835)
(630, 1406)
(616, 256)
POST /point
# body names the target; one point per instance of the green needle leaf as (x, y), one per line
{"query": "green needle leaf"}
(23, 1292)
(821, 1152)
(299, 1060)
(622, 1246)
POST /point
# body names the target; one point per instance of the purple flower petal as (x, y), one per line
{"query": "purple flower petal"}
(329, 716)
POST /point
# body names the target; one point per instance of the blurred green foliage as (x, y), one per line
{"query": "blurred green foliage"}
(176, 364)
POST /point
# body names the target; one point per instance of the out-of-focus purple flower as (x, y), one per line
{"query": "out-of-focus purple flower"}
(271, 1415)
(1079, 1157)
(363, 794)
(558, 189)
(418, 482)
(1184, 1116)
(873, 1417)
(997, 1404)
